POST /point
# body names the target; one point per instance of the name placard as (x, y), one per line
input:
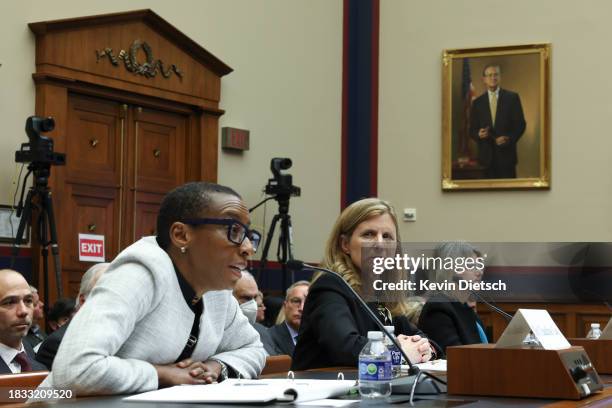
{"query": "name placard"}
(534, 321)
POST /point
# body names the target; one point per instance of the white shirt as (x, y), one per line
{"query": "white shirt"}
(292, 332)
(8, 355)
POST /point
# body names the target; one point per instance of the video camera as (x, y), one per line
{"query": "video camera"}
(39, 150)
(281, 184)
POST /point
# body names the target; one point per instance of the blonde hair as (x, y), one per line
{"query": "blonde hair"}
(339, 261)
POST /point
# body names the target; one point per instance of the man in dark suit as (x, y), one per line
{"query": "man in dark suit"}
(48, 349)
(496, 124)
(36, 335)
(284, 335)
(16, 310)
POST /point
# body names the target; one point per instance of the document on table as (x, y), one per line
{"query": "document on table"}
(249, 391)
(433, 366)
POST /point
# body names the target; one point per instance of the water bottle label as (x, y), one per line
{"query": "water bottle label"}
(396, 356)
(375, 370)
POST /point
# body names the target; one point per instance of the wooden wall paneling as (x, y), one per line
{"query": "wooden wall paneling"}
(69, 50)
(193, 147)
(160, 139)
(91, 210)
(118, 184)
(147, 207)
(573, 320)
(584, 320)
(210, 145)
(95, 134)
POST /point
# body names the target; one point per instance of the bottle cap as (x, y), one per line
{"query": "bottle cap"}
(390, 329)
(595, 325)
(375, 335)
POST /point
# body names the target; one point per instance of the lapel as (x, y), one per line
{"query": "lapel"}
(36, 366)
(287, 337)
(4, 368)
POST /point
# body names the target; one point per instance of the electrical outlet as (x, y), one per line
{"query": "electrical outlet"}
(409, 214)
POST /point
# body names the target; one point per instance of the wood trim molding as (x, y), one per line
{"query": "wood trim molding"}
(147, 16)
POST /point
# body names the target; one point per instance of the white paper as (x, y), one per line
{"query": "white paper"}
(537, 321)
(328, 403)
(606, 333)
(249, 391)
(433, 366)
(515, 333)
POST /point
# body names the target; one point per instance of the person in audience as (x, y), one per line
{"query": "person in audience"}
(36, 334)
(261, 308)
(60, 313)
(16, 311)
(334, 327)
(284, 335)
(163, 313)
(273, 305)
(245, 292)
(48, 349)
(448, 316)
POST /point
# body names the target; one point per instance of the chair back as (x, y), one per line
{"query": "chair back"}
(277, 364)
(23, 380)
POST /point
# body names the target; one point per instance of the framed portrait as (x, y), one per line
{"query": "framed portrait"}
(496, 118)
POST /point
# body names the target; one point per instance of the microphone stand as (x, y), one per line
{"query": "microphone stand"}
(506, 316)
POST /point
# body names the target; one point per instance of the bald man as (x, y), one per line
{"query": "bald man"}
(245, 292)
(16, 310)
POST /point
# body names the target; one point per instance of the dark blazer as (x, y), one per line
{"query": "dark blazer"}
(264, 336)
(35, 336)
(281, 339)
(48, 348)
(36, 366)
(500, 161)
(449, 323)
(334, 327)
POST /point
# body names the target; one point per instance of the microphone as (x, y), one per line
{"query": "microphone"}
(299, 265)
(505, 315)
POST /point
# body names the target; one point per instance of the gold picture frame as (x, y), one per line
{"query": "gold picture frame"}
(483, 151)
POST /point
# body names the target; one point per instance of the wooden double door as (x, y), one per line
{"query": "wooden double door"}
(121, 160)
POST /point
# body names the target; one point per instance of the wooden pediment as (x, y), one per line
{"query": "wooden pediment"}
(136, 51)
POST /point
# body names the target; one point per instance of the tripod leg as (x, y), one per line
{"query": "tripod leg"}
(48, 207)
(44, 244)
(264, 254)
(26, 218)
(289, 228)
(285, 244)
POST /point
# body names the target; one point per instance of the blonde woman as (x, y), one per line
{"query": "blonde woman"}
(334, 326)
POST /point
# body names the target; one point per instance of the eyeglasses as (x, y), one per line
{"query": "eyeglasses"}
(236, 231)
(297, 301)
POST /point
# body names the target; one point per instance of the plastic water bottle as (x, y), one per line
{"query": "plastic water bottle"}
(375, 368)
(396, 355)
(595, 331)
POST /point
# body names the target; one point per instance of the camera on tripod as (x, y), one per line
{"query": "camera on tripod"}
(40, 148)
(281, 184)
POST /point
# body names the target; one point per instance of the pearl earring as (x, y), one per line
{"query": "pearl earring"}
(183, 250)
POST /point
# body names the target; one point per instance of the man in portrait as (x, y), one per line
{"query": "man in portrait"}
(496, 124)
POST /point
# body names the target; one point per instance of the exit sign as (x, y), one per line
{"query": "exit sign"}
(235, 139)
